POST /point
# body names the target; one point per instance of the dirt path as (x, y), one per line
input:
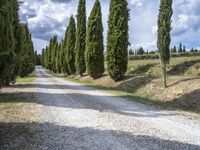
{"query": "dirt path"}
(74, 117)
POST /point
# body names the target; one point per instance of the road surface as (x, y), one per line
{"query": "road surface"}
(76, 117)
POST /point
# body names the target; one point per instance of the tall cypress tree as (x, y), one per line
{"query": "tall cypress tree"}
(70, 48)
(117, 39)
(53, 53)
(94, 55)
(7, 42)
(58, 56)
(164, 39)
(17, 36)
(64, 66)
(28, 64)
(81, 38)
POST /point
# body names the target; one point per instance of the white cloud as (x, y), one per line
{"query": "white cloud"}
(47, 17)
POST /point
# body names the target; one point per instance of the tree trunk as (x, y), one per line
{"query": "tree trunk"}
(164, 73)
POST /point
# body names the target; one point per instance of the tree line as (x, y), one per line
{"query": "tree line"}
(16, 47)
(82, 49)
(174, 50)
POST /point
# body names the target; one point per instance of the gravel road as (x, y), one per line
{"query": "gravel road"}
(76, 117)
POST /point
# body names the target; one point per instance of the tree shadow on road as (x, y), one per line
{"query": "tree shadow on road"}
(93, 101)
(49, 136)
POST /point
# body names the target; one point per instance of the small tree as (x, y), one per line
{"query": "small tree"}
(184, 49)
(71, 39)
(94, 55)
(180, 50)
(117, 39)
(164, 39)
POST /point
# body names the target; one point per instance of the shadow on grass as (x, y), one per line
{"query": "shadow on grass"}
(184, 80)
(183, 67)
(135, 82)
(50, 136)
(189, 101)
(143, 69)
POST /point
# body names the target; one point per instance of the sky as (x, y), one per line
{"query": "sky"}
(51, 17)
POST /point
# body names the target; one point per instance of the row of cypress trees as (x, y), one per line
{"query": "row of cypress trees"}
(82, 49)
(16, 48)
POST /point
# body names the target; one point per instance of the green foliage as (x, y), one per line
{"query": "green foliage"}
(164, 38)
(81, 38)
(58, 57)
(7, 42)
(156, 56)
(70, 47)
(94, 43)
(64, 67)
(28, 63)
(117, 39)
(164, 28)
(180, 50)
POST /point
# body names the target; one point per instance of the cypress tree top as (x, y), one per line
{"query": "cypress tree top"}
(164, 28)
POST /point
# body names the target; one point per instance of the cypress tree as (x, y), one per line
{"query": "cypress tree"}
(117, 39)
(28, 64)
(7, 42)
(17, 36)
(70, 49)
(58, 62)
(164, 39)
(180, 50)
(49, 60)
(54, 45)
(81, 38)
(94, 55)
(64, 66)
(184, 49)
(43, 58)
(174, 49)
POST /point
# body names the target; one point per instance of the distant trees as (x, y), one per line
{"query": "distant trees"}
(81, 38)
(94, 55)
(140, 51)
(164, 39)
(15, 44)
(117, 39)
(180, 50)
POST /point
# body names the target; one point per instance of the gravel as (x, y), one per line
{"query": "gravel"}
(73, 117)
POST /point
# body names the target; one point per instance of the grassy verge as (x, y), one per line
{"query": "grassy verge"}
(14, 105)
(28, 79)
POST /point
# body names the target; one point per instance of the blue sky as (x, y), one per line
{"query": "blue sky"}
(50, 17)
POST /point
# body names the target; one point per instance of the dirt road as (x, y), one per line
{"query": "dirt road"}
(74, 117)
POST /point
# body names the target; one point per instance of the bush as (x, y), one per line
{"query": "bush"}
(156, 56)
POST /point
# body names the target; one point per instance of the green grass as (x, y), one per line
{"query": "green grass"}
(187, 66)
(28, 79)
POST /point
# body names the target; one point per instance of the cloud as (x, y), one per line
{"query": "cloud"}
(49, 17)
(61, 1)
